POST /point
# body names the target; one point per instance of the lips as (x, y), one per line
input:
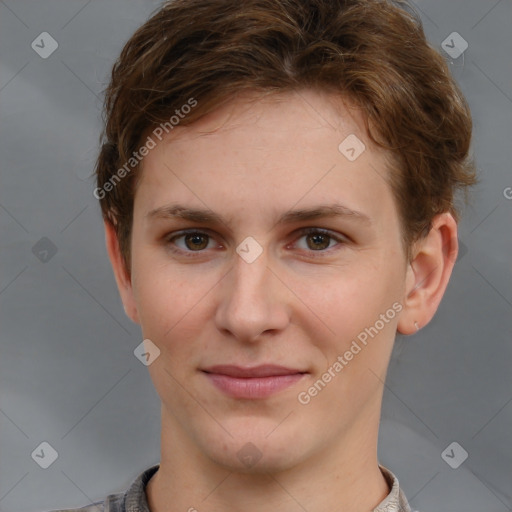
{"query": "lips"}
(252, 383)
(266, 370)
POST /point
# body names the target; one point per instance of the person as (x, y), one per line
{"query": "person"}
(279, 183)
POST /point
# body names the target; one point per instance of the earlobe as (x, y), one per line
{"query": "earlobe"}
(428, 274)
(121, 274)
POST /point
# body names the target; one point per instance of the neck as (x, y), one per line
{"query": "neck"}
(342, 477)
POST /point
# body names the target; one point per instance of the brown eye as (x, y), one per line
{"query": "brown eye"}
(318, 241)
(196, 241)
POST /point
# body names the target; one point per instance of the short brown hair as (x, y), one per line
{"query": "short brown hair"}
(371, 52)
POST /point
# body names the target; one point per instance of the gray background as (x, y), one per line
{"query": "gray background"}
(67, 369)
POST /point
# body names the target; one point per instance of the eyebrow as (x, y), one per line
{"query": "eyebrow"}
(289, 217)
(323, 211)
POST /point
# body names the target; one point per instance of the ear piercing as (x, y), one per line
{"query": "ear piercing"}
(417, 326)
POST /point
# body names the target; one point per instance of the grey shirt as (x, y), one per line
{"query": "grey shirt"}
(134, 499)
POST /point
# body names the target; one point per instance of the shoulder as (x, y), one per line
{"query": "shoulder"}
(113, 503)
(100, 506)
(94, 507)
(134, 499)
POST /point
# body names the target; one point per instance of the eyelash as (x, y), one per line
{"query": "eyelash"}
(302, 233)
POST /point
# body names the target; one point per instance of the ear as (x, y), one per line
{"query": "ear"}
(123, 279)
(428, 274)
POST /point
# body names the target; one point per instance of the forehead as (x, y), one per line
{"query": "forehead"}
(286, 149)
(272, 111)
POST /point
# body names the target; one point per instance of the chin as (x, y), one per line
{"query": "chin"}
(259, 450)
(250, 460)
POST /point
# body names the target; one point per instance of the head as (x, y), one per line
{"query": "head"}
(312, 151)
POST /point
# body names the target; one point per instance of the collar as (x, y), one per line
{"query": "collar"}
(134, 500)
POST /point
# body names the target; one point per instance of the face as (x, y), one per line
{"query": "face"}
(267, 267)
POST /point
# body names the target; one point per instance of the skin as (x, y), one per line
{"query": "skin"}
(300, 304)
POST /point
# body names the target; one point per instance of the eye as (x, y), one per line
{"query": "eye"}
(315, 239)
(192, 241)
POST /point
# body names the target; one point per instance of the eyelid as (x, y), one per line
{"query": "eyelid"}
(188, 231)
(338, 237)
(171, 237)
(312, 229)
(298, 234)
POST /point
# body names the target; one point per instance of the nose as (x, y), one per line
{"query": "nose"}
(253, 302)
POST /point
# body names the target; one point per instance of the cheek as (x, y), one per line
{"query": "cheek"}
(345, 301)
(163, 306)
(173, 306)
(358, 352)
